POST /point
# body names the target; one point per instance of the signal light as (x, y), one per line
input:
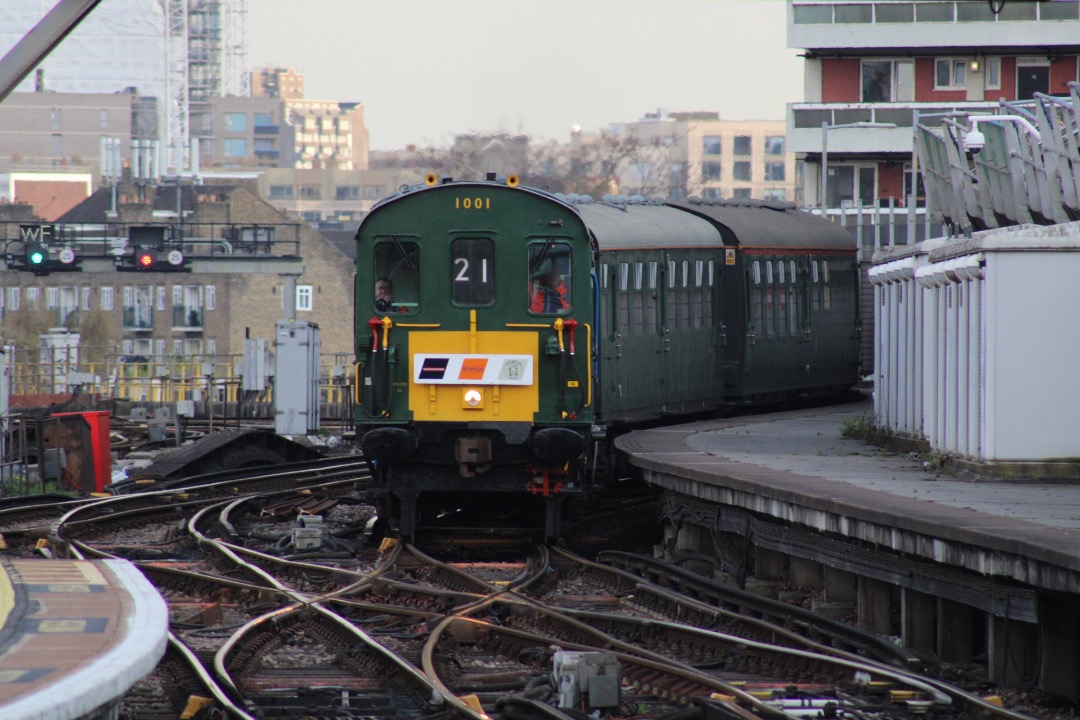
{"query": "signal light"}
(144, 259)
(36, 255)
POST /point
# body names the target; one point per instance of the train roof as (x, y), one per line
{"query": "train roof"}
(770, 224)
(644, 226)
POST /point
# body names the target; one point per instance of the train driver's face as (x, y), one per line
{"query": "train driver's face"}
(383, 290)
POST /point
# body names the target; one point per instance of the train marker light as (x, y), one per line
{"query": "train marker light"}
(473, 399)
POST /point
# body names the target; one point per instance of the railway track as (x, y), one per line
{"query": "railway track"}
(512, 630)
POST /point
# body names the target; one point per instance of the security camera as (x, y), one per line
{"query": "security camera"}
(974, 142)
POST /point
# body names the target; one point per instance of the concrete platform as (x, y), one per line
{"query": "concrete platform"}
(74, 635)
(796, 467)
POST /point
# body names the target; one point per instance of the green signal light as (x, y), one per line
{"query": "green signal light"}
(35, 256)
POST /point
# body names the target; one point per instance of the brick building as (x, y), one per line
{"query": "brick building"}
(202, 315)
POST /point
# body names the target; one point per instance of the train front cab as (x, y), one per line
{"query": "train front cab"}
(474, 383)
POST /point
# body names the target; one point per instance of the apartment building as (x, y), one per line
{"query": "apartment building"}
(51, 130)
(876, 68)
(278, 127)
(332, 196)
(685, 154)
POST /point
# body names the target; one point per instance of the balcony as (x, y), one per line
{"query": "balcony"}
(818, 25)
(187, 318)
(805, 119)
(140, 317)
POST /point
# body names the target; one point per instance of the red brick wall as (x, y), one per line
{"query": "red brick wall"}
(924, 84)
(891, 181)
(51, 198)
(840, 80)
(1062, 72)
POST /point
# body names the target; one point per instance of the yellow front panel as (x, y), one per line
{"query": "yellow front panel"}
(501, 403)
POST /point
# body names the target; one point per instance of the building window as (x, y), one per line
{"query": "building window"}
(775, 194)
(235, 147)
(741, 171)
(33, 296)
(950, 74)
(14, 299)
(52, 298)
(86, 298)
(57, 119)
(888, 81)
(106, 294)
(374, 192)
(56, 146)
(741, 193)
(347, 192)
(743, 146)
(104, 119)
(310, 192)
(934, 12)
(774, 145)
(304, 298)
(211, 297)
(710, 171)
(263, 120)
(161, 298)
(774, 171)
(236, 122)
(710, 145)
(281, 192)
(710, 193)
(992, 68)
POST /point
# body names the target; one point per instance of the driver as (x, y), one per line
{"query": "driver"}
(384, 295)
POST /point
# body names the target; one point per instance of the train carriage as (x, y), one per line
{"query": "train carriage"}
(791, 296)
(504, 334)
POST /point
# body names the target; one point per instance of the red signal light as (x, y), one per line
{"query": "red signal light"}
(144, 260)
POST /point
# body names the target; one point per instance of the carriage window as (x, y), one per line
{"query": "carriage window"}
(472, 266)
(770, 313)
(711, 271)
(791, 268)
(825, 267)
(549, 277)
(652, 275)
(768, 272)
(814, 270)
(781, 308)
(671, 273)
(397, 276)
(780, 271)
(757, 272)
(638, 268)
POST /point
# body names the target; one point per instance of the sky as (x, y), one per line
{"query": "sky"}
(427, 70)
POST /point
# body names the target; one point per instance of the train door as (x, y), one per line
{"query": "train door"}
(692, 329)
(631, 288)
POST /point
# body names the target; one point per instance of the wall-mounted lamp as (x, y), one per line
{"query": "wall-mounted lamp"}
(975, 66)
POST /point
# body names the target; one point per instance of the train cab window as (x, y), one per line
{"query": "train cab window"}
(549, 277)
(549, 273)
(472, 265)
(396, 276)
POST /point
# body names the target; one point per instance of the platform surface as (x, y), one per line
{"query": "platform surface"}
(74, 635)
(797, 467)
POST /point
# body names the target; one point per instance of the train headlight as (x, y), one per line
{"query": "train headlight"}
(473, 399)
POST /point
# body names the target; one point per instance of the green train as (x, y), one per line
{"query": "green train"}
(505, 334)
